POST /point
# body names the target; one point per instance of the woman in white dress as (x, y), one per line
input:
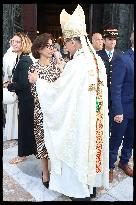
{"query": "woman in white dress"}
(11, 115)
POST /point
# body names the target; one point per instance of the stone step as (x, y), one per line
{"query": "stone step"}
(26, 178)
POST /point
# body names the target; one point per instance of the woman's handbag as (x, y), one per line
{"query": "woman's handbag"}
(9, 97)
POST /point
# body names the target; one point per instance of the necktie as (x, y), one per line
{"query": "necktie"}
(110, 54)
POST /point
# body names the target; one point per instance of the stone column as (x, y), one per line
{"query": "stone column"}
(125, 20)
(122, 17)
(7, 25)
(12, 22)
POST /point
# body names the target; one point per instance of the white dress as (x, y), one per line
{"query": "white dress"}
(11, 126)
(69, 112)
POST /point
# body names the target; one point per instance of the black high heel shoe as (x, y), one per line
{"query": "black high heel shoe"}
(46, 184)
(80, 199)
(94, 193)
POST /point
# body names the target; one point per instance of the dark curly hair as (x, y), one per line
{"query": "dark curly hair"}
(39, 43)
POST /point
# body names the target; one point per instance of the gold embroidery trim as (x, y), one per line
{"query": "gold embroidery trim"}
(91, 87)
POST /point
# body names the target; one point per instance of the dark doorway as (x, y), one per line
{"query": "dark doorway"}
(48, 17)
(97, 18)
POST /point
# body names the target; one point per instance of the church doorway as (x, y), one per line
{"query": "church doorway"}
(48, 18)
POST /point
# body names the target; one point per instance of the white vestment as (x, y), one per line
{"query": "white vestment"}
(69, 121)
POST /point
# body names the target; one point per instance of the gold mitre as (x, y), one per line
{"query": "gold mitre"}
(73, 25)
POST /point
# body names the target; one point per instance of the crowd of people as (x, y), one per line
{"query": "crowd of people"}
(74, 108)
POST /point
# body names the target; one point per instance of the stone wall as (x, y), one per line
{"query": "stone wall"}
(122, 17)
(125, 24)
(12, 22)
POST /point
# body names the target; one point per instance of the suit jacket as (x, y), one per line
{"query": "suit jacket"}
(108, 64)
(122, 84)
(20, 83)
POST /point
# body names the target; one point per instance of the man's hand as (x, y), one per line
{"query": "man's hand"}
(118, 118)
(32, 77)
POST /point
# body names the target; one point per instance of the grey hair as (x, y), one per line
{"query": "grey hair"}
(56, 45)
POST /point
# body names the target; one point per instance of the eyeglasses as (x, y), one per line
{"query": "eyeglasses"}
(13, 41)
(49, 46)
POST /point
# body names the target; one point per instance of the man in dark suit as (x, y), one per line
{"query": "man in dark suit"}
(108, 54)
(122, 97)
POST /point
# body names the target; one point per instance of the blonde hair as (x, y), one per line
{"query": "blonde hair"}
(26, 42)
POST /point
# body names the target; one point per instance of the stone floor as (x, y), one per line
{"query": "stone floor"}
(12, 191)
(22, 182)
